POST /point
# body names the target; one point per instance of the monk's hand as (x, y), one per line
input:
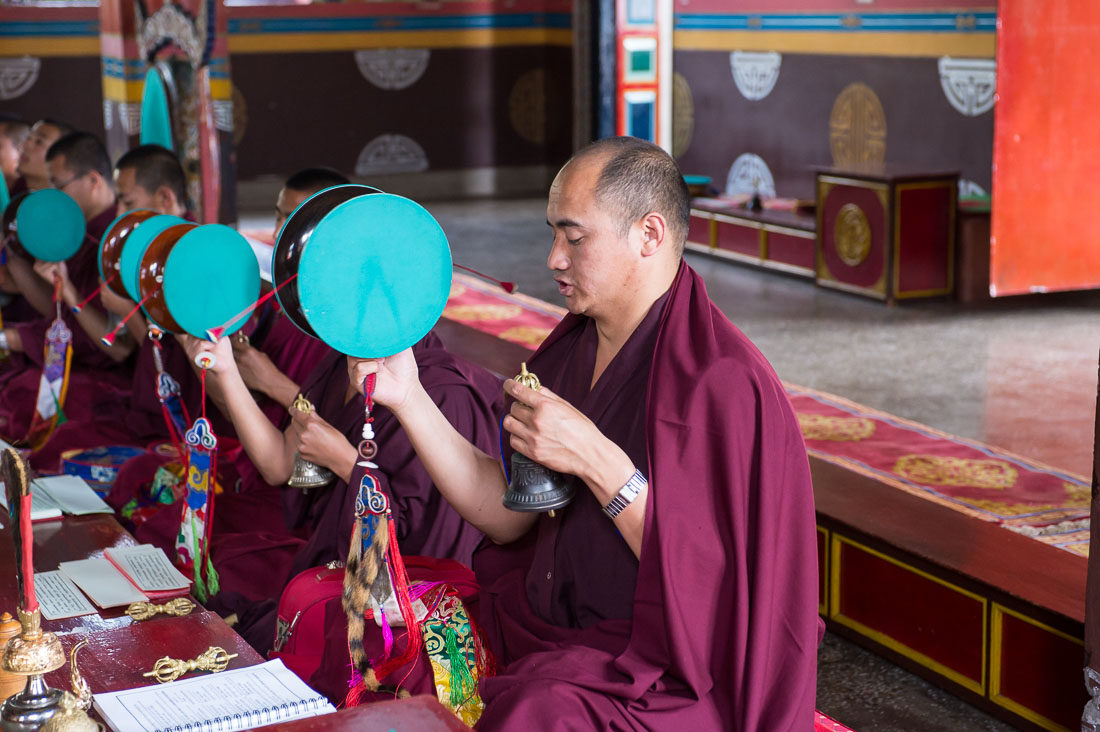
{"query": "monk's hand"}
(53, 271)
(550, 430)
(395, 377)
(255, 367)
(221, 351)
(321, 443)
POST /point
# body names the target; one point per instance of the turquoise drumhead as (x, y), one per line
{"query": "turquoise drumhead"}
(156, 119)
(50, 225)
(375, 276)
(211, 275)
(134, 249)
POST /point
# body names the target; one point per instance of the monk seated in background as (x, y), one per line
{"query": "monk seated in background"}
(33, 172)
(678, 590)
(79, 166)
(254, 567)
(147, 177)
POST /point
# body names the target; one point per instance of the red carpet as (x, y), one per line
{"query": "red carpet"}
(985, 482)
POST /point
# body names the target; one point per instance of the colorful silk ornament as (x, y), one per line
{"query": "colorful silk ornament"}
(197, 514)
(56, 362)
(174, 410)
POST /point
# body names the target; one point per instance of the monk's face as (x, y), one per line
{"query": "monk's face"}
(32, 160)
(591, 260)
(82, 188)
(288, 200)
(132, 195)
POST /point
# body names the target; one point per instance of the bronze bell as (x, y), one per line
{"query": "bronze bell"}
(305, 474)
(534, 487)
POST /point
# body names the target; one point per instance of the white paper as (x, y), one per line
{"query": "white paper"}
(4, 444)
(102, 582)
(263, 256)
(231, 700)
(72, 494)
(148, 567)
(58, 597)
(42, 506)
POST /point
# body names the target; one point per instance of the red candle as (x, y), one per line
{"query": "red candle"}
(30, 601)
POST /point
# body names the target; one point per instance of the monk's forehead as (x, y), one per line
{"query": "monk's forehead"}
(575, 185)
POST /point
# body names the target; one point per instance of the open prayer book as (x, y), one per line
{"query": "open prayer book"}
(228, 701)
(126, 574)
(54, 495)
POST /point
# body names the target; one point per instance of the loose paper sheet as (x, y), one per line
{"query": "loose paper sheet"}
(102, 582)
(58, 597)
(42, 506)
(72, 494)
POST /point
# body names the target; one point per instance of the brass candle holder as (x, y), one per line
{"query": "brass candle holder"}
(33, 653)
(305, 474)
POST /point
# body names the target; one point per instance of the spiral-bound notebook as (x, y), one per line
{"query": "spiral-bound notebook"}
(228, 701)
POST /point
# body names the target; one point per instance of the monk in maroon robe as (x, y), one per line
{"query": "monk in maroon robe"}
(679, 589)
(255, 566)
(78, 165)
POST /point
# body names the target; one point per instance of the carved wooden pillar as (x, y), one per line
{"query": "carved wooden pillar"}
(643, 30)
(183, 44)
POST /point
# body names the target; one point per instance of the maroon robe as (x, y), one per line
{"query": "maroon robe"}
(426, 525)
(716, 627)
(96, 382)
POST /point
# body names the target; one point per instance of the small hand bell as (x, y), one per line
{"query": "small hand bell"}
(535, 487)
(306, 474)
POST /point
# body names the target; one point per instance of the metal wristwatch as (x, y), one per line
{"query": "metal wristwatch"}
(626, 495)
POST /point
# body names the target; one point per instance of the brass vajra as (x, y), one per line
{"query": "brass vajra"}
(213, 659)
(145, 610)
(302, 404)
(526, 378)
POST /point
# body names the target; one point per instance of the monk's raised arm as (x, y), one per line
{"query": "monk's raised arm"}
(471, 481)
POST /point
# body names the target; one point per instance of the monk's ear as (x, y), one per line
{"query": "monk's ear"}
(654, 233)
(164, 199)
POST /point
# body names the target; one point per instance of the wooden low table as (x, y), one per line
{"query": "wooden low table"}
(120, 649)
(780, 240)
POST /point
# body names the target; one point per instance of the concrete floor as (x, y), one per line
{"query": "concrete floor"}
(1017, 373)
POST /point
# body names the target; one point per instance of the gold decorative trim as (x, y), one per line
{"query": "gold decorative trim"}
(998, 612)
(977, 686)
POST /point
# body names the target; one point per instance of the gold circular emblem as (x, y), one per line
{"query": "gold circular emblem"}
(852, 235)
(240, 116)
(953, 471)
(527, 106)
(683, 115)
(835, 429)
(857, 127)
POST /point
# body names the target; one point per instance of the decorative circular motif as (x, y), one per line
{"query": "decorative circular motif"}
(683, 115)
(749, 173)
(857, 127)
(852, 235)
(755, 72)
(835, 429)
(970, 84)
(393, 68)
(17, 75)
(953, 471)
(482, 312)
(527, 106)
(391, 154)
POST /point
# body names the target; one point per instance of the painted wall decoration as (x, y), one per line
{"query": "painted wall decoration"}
(391, 154)
(755, 72)
(683, 115)
(749, 173)
(970, 84)
(857, 127)
(970, 189)
(17, 75)
(393, 68)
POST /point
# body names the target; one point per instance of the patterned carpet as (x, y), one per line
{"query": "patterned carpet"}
(981, 481)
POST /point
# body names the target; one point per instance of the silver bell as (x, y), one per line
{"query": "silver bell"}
(309, 475)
